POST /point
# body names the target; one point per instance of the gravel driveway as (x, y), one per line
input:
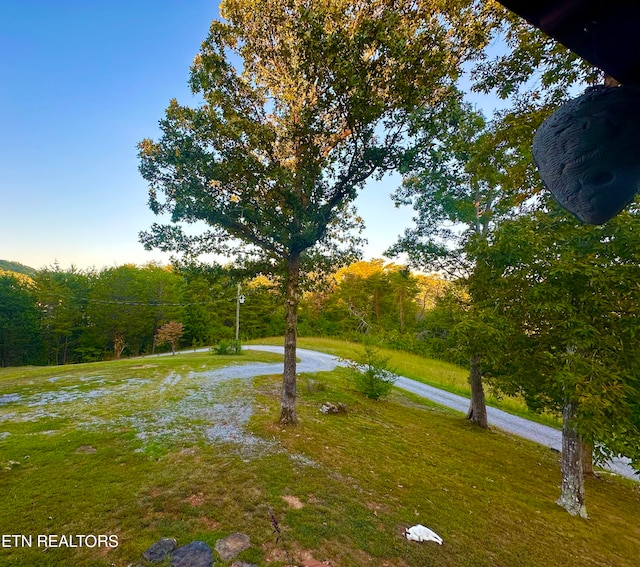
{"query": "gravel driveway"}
(313, 361)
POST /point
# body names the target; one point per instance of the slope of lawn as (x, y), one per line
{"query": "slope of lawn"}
(176, 447)
(437, 373)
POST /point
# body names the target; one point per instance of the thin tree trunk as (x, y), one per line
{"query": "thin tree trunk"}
(118, 344)
(572, 494)
(155, 332)
(59, 351)
(288, 399)
(477, 409)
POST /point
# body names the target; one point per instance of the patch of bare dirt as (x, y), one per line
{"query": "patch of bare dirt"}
(294, 502)
(195, 499)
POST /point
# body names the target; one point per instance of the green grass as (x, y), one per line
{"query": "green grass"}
(438, 373)
(131, 457)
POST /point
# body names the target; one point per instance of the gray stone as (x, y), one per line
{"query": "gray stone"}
(328, 407)
(243, 564)
(160, 549)
(230, 546)
(195, 554)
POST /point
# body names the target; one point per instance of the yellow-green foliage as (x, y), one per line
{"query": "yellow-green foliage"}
(24, 279)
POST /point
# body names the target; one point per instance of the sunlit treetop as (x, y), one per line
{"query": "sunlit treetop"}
(302, 102)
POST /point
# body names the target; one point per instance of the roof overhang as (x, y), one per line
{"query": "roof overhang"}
(606, 33)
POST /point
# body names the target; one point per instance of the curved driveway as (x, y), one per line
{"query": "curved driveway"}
(314, 361)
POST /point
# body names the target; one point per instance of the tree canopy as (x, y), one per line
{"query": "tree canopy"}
(568, 293)
(280, 146)
(564, 302)
(19, 321)
(302, 102)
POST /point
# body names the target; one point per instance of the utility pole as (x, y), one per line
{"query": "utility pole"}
(239, 300)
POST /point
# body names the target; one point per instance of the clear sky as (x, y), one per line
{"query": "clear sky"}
(81, 83)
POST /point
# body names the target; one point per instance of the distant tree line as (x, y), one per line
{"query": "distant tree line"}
(7, 266)
(376, 299)
(62, 316)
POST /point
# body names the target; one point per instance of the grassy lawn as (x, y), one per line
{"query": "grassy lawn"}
(436, 373)
(176, 447)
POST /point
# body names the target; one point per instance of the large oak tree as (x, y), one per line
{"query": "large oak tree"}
(302, 102)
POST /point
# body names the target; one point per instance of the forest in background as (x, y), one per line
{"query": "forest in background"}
(57, 316)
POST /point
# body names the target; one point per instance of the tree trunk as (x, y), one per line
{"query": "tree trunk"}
(118, 344)
(572, 494)
(587, 458)
(477, 409)
(66, 349)
(288, 414)
(401, 311)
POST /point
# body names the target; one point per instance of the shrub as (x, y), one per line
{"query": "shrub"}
(227, 347)
(371, 375)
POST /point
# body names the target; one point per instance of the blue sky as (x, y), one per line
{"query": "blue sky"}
(82, 82)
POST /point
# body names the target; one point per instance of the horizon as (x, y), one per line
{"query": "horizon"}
(84, 84)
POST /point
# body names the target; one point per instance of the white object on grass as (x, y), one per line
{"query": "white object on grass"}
(420, 533)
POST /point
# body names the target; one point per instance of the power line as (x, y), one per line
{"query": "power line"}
(136, 303)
